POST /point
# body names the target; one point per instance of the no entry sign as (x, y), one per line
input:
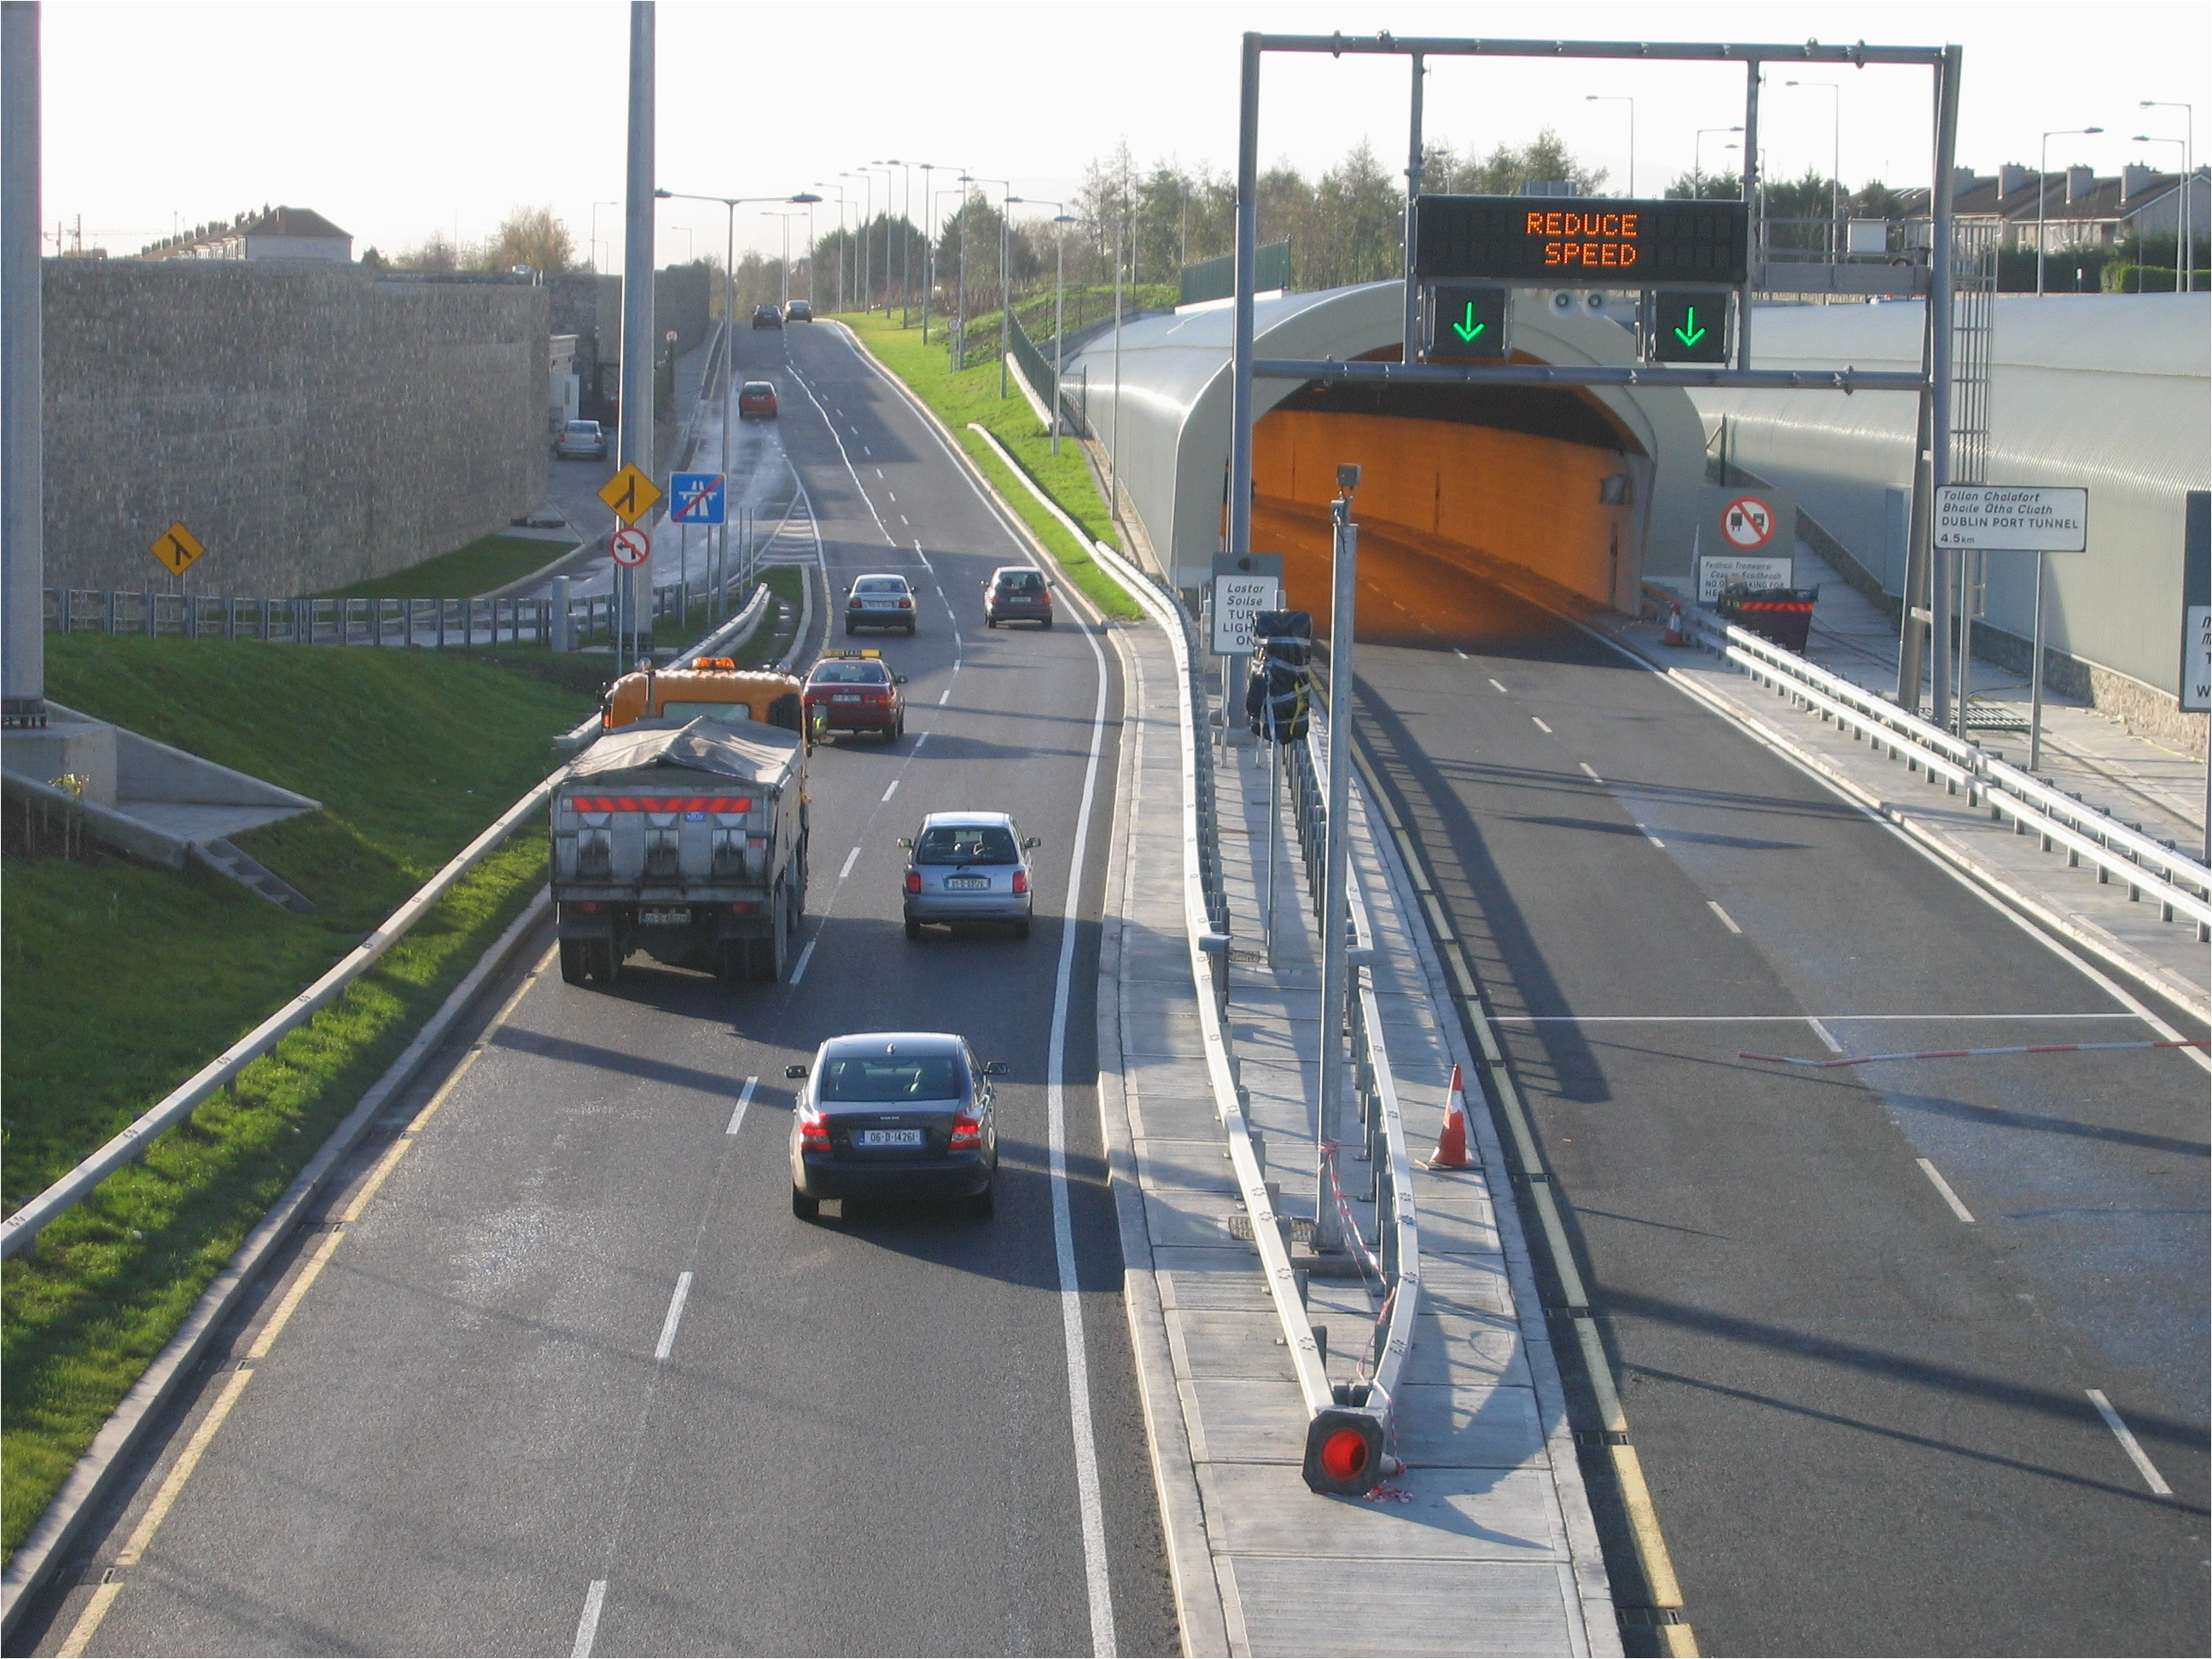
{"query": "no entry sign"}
(631, 546)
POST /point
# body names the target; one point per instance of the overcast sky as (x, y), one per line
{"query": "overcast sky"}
(398, 118)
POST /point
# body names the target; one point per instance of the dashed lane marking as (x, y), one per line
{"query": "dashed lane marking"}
(1540, 727)
(1727, 921)
(1935, 1175)
(1826, 1040)
(945, 696)
(1500, 689)
(799, 972)
(893, 790)
(1590, 769)
(2129, 1443)
(851, 858)
(587, 1626)
(745, 1097)
(666, 1345)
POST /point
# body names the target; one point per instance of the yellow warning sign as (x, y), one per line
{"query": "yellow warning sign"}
(177, 547)
(630, 494)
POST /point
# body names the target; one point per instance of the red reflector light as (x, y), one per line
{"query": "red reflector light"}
(743, 906)
(967, 1134)
(1021, 881)
(1344, 1455)
(589, 906)
(659, 803)
(914, 881)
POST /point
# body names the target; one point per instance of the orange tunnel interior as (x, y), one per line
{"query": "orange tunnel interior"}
(1451, 479)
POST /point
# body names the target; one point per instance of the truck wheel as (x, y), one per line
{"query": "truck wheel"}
(769, 953)
(805, 1208)
(734, 960)
(610, 955)
(575, 960)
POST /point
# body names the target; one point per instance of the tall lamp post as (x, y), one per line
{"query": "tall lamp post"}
(730, 206)
(1697, 151)
(1006, 299)
(1613, 98)
(886, 171)
(2043, 197)
(959, 314)
(928, 246)
(2188, 219)
(1835, 162)
(1061, 222)
(906, 238)
(597, 263)
(842, 240)
(867, 212)
(774, 213)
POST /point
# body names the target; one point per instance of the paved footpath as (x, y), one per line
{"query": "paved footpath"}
(1485, 1545)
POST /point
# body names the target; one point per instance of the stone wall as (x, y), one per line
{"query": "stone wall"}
(311, 425)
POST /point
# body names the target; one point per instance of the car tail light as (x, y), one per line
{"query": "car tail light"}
(906, 604)
(914, 881)
(856, 604)
(967, 1133)
(813, 1131)
(743, 906)
(1021, 881)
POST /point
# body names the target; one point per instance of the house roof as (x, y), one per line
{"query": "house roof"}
(2103, 200)
(291, 222)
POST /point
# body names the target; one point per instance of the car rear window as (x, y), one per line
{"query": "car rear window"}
(583, 428)
(967, 843)
(895, 1077)
(851, 673)
(1020, 582)
(880, 585)
(759, 389)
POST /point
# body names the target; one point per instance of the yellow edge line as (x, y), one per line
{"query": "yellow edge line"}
(142, 1535)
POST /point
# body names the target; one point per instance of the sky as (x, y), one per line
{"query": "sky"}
(401, 118)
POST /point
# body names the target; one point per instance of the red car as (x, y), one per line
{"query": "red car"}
(757, 400)
(856, 691)
(1017, 592)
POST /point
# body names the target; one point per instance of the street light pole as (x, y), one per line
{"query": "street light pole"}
(887, 236)
(1835, 164)
(1697, 151)
(867, 212)
(634, 585)
(1059, 301)
(1006, 299)
(2187, 219)
(928, 245)
(906, 204)
(2043, 196)
(1614, 97)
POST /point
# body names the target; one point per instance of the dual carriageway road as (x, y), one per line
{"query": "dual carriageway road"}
(1865, 1417)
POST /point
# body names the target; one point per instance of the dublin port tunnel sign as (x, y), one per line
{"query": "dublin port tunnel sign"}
(1549, 241)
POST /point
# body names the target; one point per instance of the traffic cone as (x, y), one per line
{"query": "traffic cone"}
(1674, 622)
(1451, 1141)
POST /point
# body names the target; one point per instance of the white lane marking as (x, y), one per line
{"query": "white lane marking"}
(1063, 1226)
(2129, 1443)
(867, 452)
(940, 594)
(1827, 1040)
(902, 520)
(851, 858)
(945, 696)
(956, 664)
(1540, 727)
(893, 790)
(1461, 654)
(879, 472)
(1500, 689)
(1592, 770)
(843, 455)
(855, 430)
(891, 494)
(1727, 921)
(955, 639)
(921, 739)
(745, 1097)
(675, 1317)
(1944, 1187)
(924, 557)
(1655, 841)
(806, 955)
(588, 1627)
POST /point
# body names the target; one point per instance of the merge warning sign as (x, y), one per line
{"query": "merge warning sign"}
(2012, 518)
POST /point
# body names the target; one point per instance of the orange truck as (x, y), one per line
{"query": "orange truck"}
(681, 829)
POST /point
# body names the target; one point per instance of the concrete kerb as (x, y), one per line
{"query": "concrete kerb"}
(94, 1473)
(1201, 1613)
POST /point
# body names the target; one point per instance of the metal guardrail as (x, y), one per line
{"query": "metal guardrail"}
(2181, 886)
(1375, 1087)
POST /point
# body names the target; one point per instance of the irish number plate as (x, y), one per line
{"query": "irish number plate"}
(888, 1138)
(680, 917)
(967, 884)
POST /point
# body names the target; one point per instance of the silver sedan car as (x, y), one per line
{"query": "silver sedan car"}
(967, 867)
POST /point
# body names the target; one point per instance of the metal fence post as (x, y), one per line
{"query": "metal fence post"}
(1328, 1107)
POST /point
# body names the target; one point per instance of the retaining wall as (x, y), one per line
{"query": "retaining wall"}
(310, 425)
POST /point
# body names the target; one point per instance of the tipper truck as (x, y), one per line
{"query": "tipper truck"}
(687, 841)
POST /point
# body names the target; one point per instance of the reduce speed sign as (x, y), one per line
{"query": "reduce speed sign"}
(630, 546)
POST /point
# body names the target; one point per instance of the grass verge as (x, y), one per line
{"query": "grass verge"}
(488, 563)
(972, 394)
(121, 980)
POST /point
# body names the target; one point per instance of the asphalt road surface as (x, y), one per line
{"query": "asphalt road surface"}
(1865, 1419)
(577, 1380)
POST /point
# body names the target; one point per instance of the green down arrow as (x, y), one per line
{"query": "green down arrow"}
(1684, 333)
(1468, 329)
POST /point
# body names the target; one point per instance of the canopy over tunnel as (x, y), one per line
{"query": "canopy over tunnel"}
(1589, 488)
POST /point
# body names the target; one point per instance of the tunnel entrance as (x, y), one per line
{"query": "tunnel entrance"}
(1535, 477)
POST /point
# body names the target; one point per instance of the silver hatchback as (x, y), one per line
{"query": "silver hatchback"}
(967, 867)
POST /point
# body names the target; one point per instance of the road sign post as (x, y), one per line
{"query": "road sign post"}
(2010, 519)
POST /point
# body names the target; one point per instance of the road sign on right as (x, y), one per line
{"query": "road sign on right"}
(2012, 518)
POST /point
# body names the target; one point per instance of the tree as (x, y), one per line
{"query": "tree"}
(1706, 187)
(532, 236)
(1545, 160)
(371, 259)
(433, 252)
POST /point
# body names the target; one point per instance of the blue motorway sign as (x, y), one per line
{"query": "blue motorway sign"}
(697, 498)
